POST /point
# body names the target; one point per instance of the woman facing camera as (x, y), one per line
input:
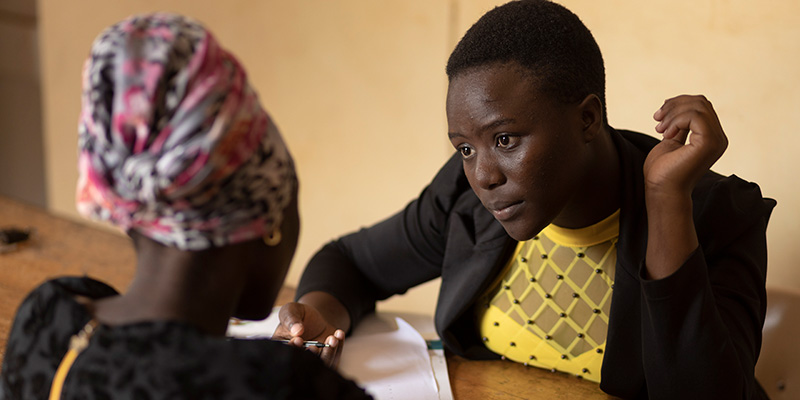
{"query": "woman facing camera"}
(564, 243)
(175, 150)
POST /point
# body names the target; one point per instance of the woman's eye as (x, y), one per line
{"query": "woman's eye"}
(503, 141)
(465, 151)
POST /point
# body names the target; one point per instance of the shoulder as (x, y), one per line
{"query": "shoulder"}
(726, 206)
(40, 333)
(731, 194)
(68, 286)
(716, 197)
(41, 302)
(60, 291)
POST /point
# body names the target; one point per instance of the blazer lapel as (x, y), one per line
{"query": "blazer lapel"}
(476, 251)
(622, 361)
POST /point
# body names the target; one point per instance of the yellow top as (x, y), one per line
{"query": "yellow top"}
(550, 307)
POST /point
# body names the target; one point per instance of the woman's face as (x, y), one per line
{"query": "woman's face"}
(524, 154)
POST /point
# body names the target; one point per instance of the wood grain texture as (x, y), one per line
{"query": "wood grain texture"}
(487, 380)
(58, 247)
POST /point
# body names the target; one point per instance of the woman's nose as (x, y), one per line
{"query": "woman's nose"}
(487, 173)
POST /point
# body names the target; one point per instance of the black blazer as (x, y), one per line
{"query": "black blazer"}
(694, 334)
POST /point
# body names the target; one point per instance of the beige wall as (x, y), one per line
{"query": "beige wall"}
(358, 89)
(745, 57)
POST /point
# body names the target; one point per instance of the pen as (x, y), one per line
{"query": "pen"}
(309, 343)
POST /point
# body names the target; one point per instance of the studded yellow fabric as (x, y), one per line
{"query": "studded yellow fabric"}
(550, 306)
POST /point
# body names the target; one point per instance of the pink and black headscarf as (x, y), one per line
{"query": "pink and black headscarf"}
(173, 141)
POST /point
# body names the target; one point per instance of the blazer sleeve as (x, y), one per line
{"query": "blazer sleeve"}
(392, 256)
(701, 326)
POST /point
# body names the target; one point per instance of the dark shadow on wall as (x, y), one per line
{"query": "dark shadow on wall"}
(22, 172)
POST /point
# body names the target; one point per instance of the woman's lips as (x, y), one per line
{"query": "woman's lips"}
(505, 211)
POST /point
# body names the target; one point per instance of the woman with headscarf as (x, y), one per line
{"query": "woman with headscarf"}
(176, 150)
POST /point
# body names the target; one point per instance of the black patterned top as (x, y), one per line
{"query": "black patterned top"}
(151, 360)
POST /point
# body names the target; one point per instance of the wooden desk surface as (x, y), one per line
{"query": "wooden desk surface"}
(64, 247)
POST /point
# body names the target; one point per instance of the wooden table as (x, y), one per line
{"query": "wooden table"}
(64, 247)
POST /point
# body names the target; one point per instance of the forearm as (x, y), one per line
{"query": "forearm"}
(671, 233)
(701, 324)
(334, 273)
(702, 310)
(330, 307)
(686, 338)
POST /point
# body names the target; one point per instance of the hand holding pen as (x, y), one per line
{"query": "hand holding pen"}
(303, 326)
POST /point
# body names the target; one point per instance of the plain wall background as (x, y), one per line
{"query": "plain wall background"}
(357, 87)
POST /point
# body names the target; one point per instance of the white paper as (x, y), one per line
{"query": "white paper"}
(389, 359)
(384, 355)
(254, 329)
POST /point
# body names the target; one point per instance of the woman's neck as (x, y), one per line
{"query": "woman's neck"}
(599, 192)
(198, 288)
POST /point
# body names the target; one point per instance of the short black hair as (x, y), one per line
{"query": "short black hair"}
(541, 36)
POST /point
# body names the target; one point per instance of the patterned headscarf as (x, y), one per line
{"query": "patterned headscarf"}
(173, 141)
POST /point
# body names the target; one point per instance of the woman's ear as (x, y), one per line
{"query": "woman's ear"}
(591, 111)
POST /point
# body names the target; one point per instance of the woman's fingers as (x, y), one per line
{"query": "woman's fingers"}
(693, 140)
(331, 355)
(681, 115)
(291, 317)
